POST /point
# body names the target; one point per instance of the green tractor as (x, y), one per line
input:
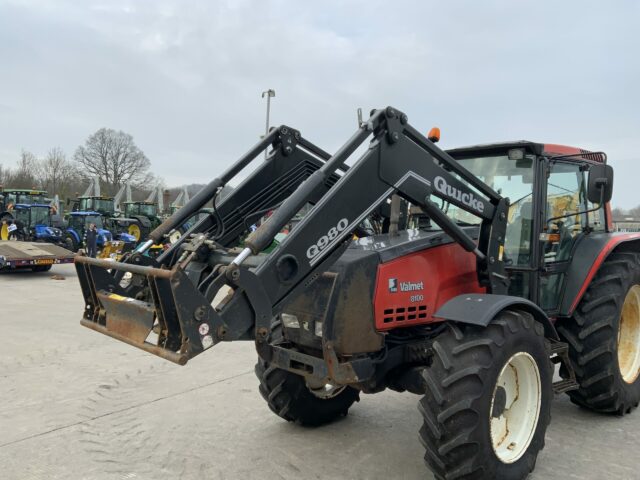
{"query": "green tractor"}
(144, 216)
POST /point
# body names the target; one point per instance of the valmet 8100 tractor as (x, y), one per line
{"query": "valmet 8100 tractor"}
(516, 269)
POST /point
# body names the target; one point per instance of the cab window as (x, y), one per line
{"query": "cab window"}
(22, 215)
(564, 220)
(566, 198)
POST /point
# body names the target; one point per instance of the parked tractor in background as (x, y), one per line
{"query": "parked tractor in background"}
(110, 208)
(145, 218)
(9, 198)
(78, 224)
(112, 221)
(33, 223)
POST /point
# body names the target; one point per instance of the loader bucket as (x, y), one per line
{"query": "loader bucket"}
(177, 326)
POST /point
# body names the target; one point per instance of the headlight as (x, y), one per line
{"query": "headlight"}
(290, 321)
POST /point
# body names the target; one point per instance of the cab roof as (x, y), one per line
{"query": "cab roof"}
(23, 190)
(29, 205)
(546, 149)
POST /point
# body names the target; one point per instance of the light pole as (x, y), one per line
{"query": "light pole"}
(269, 93)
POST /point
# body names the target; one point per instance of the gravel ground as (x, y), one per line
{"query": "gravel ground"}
(75, 404)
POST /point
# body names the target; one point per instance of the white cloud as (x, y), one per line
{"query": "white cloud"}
(185, 77)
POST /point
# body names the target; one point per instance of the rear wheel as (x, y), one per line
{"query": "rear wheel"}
(4, 230)
(604, 338)
(291, 397)
(488, 399)
(135, 231)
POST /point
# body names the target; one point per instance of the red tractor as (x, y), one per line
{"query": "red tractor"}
(514, 269)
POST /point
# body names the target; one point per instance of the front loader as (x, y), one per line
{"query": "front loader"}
(471, 312)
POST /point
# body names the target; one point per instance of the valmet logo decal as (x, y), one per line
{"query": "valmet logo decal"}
(467, 199)
(405, 286)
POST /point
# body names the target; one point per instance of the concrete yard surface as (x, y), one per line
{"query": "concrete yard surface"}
(75, 404)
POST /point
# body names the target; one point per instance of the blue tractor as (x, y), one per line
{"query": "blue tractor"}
(33, 223)
(78, 224)
(9, 198)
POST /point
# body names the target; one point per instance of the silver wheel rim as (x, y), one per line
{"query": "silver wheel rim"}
(513, 424)
(629, 336)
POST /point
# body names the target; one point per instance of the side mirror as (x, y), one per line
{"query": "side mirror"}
(600, 185)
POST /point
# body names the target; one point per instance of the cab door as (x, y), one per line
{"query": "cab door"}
(564, 223)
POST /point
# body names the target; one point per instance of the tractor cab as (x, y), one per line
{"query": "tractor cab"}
(12, 197)
(145, 209)
(550, 209)
(103, 205)
(82, 220)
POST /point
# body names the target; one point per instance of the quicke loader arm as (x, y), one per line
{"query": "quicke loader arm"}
(166, 311)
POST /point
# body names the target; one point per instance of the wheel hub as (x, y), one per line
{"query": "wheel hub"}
(515, 407)
(499, 402)
(629, 336)
(324, 390)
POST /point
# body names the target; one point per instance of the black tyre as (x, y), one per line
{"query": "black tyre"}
(290, 397)
(604, 338)
(70, 243)
(479, 385)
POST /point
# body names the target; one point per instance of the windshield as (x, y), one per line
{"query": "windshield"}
(29, 199)
(130, 209)
(76, 222)
(510, 178)
(148, 210)
(102, 205)
(22, 215)
(24, 198)
(97, 219)
(140, 209)
(40, 216)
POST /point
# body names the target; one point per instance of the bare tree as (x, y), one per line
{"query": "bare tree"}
(618, 212)
(114, 157)
(56, 171)
(5, 175)
(27, 172)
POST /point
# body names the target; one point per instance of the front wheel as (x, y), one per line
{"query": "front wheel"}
(293, 398)
(488, 400)
(70, 243)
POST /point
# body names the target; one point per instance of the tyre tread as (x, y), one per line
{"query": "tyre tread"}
(591, 334)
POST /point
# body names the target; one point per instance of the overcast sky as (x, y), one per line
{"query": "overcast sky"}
(185, 77)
